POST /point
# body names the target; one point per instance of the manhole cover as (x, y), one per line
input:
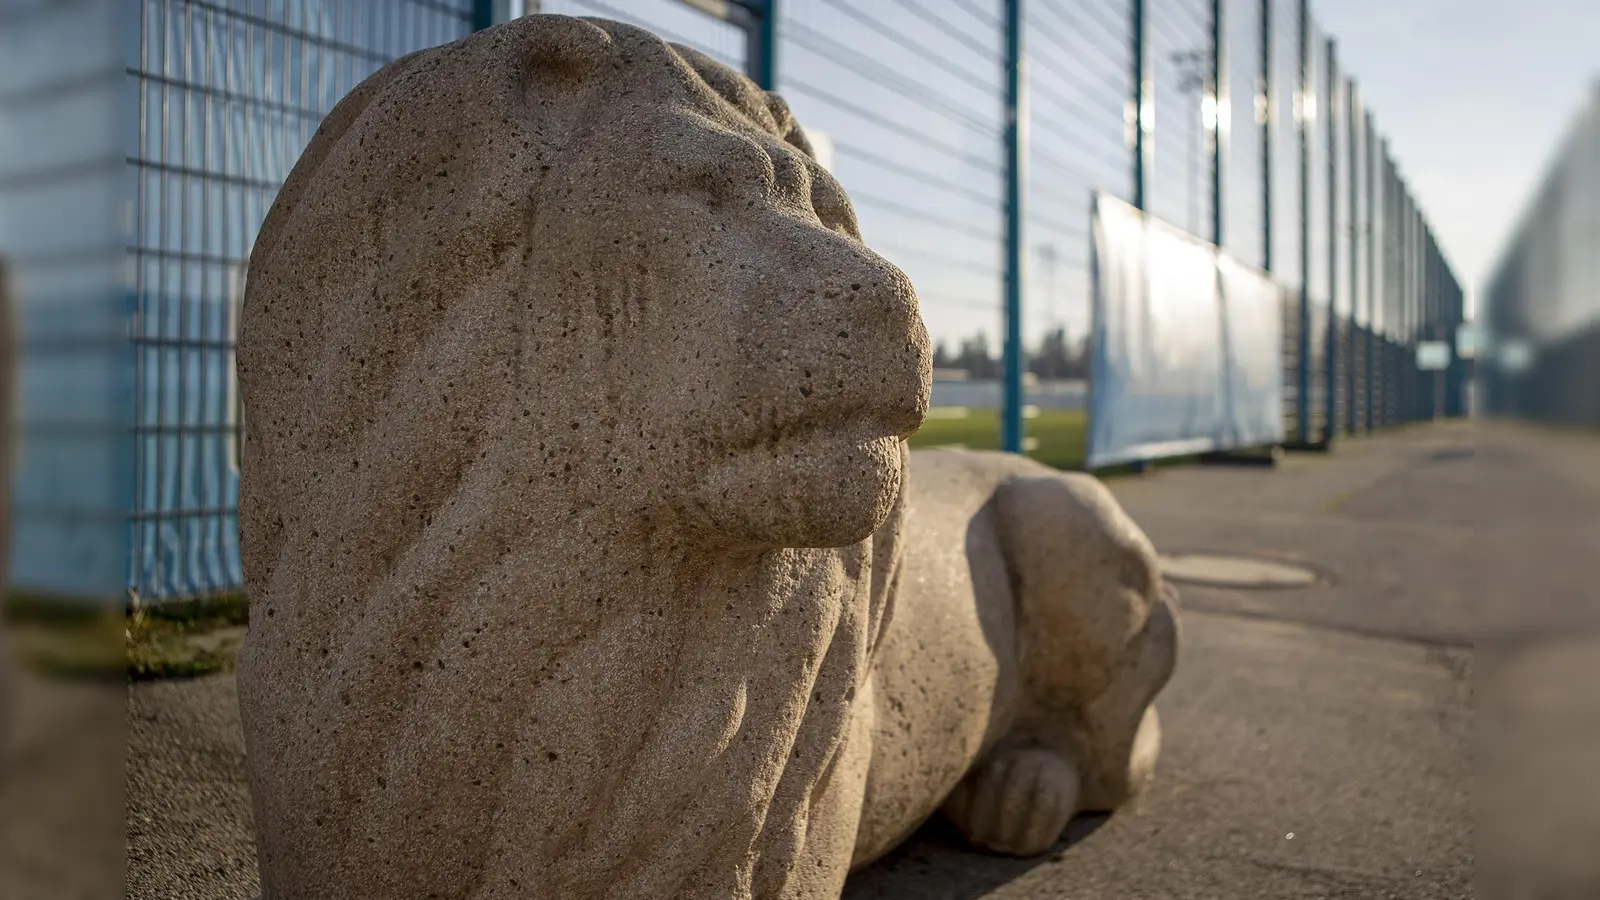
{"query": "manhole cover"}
(1224, 570)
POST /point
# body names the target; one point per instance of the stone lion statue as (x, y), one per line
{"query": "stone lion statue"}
(585, 555)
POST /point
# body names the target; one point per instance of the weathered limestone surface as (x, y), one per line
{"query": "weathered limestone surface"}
(1031, 631)
(575, 518)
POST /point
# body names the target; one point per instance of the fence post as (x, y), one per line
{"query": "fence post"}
(1404, 413)
(1397, 301)
(1408, 337)
(1408, 371)
(1352, 120)
(1369, 336)
(1419, 287)
(1435, 332)
(1268, 123)
(1330, 354)
(761, 44)
(482, 14)
(1137, 118)
(1455, 399)
(1388, 279)
(1459, 392)
(1219, 96)
(1431, 315)
(1016, 152)
(1442, 328)
(1302, 400)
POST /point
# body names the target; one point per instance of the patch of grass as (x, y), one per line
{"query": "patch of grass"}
(202, 612)
(84, 648)
(65, 637)
(178, 652)
(78, 638)
(1061, 434)
(185, 639)
(48, 610)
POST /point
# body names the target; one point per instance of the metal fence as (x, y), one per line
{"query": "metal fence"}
(1542, 302)
(1229, 118)
(63, 208)
(971, 135)
(229, 94)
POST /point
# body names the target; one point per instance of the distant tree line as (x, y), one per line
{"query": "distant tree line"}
(1054, 358)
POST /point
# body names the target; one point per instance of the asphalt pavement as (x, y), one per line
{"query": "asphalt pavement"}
(1320, 742)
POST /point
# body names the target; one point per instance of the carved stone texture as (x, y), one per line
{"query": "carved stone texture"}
(573, 401)
(574, 517)
(1031, 632)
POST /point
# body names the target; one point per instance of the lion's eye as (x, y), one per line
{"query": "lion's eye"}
(729, 167)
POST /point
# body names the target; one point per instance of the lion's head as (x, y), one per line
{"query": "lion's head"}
(607, 262)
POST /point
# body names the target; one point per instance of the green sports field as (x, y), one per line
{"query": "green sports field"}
(1059, 433)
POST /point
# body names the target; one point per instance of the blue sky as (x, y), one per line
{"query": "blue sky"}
(1475, 96)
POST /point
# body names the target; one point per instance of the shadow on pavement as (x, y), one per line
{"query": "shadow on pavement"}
(938, 864)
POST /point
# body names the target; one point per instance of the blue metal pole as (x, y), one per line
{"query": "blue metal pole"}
(1464, 388)
(1391, 331)
(482, 14)
(1403, 414)
(1016, 156)
(1458, 364)
(1430, 317)
(1330, 350)
(1386, 345)
(1302, 400)
(1404, 337)
(1269, 122)
(1369, 336)
(1219, 94)
(762, 61)
(1352, 124)
(1419, 330)
(1141, 77)
(1413, 376)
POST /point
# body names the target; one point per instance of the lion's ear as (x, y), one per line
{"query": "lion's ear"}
(564, 53)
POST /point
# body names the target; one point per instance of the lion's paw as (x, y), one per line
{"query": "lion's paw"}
(1017, 801)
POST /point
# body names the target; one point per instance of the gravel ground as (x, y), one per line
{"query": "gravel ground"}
(189, 830)
(61, 792)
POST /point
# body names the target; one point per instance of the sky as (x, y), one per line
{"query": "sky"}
(1476, 96)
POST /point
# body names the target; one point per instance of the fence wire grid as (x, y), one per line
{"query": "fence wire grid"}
(1252, 137)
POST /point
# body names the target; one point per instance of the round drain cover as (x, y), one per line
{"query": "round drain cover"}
(1224, 570)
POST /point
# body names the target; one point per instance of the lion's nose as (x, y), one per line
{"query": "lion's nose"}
(898, 372)
(853, 336)
(885, 333)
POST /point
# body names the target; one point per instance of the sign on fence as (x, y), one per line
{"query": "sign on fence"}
(1186, 344)
(1433, 356)
(1251, 304)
